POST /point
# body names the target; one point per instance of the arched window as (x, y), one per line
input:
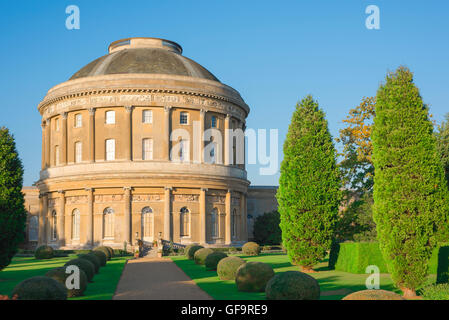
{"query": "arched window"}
(75, 224)
(108, 223)
(54, 225)
(147, 224)
(33, 228)
(78, 120)
(185, 222)
(214, 223)
(234, 223)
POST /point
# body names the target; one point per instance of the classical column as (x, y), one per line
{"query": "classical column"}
(90, 216)
(127, 216)
(64, 139)
(128, 133)
(203, 215)
(48, 143)
(228, 218)
(167, 206)
(243, 217)
(61, 218)
(44, 162)
(43, 204)
(227, 149)
(201, 142)
(166, 138)
(91, 135)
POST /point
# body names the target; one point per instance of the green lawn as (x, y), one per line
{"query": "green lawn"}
(329, 280)
(102, 287)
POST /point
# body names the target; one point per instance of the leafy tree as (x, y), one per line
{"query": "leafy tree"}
(442, 136)
(267, 230)
(357, 165)
(309, 187)
(12, 210)
(410, 192)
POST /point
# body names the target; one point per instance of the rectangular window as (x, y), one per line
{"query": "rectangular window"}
(184, 118)
(110, 117)
(110, 149)
(78, 120)
(147, 149)
(147, 116)
(57, 155)
(78, 152)
(213, 121)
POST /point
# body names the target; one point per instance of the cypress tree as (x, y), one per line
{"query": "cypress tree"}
(409, 184)
(12, 210)
(309, 187)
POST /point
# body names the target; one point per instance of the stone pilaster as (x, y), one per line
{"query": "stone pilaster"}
(91, 135)
(43, 204)
(203, 215)
(127, 216)
(228, 239)
(128, 133)
(64, 139)
(167, 215)
(90, 216)
(243, 217)
(227, 150)
(61, 218)
(201, 142)
(48, 143)
(166, 137)
(44, 161)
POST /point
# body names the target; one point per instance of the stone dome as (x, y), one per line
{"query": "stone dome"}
(145, 56)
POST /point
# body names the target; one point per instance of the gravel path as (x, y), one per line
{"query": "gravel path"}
(156, 279)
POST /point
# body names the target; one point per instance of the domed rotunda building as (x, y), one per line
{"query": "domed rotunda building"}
(127, 152)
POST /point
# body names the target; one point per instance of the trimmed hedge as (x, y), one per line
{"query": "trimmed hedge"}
(354, 257)
(201, 255)
(436, 292)
(87, 266)
(191, 249)
(105, 250)
(40, 288)
(101, 257)
(111, 251)
(373, 295)
(213, 259)
(227, 267)
(92, 258)
(292, 285)
(251, 249)
(253, 276)
(44, 252)
(60, 275)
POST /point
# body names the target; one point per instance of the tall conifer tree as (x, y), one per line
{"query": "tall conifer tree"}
(309, 187)
(409, 184)
(12, 210)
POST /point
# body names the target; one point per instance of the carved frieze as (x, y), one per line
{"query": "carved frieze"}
(216, 199)
(76, 199)
(186, 197)
(101, 198)
(147, 197)
(52, 202)
(144, 99)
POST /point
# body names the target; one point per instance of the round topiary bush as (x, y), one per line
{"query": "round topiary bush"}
(201, 255)
(251, 249)
(92, 258)
(85, 265)
(40, 288)
(44, 252)
(190, 251)
(227, 267)
(292, 285)
(253, 276)
(105, 251)
(101, 257)
(213, 259)
(60, 275)
(111, 251)
(373, 295)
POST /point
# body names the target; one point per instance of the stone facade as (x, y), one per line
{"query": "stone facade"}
(92, 194)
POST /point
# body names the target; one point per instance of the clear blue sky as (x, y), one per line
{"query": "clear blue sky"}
(272, 52)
